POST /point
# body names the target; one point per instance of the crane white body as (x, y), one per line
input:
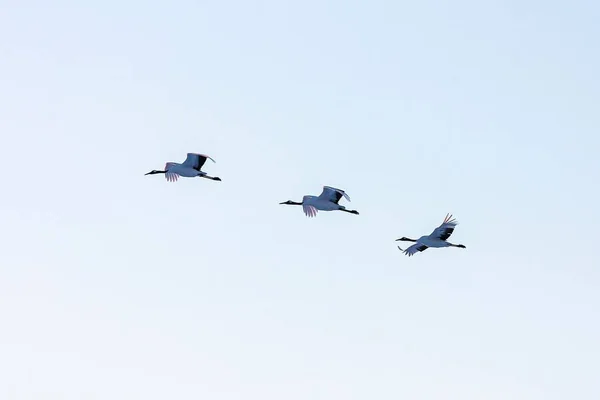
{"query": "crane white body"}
(432, 242)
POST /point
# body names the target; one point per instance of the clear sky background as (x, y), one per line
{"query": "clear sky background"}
(120, 286)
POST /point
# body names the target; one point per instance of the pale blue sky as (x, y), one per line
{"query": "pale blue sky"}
(114, 285)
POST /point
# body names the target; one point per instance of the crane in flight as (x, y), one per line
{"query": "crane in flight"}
(328, 200)
(437, 238)
(190, 168)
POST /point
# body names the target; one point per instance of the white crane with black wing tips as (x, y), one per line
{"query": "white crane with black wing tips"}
(437, 238)
(328, 200)
(190, 168)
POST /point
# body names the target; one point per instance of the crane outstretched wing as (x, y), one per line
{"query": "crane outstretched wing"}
(444, 231)
(415, 248)
(332, 194)
(309, 211)
(196, 161)
(170, 176)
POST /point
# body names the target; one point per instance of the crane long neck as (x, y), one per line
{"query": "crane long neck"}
(291, 203)
(156, 172)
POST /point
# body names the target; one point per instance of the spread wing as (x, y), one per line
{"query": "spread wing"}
(332, 194)
(444, 231)
(170, 176)
(415, 248)
(196, 161)
(309, 211)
